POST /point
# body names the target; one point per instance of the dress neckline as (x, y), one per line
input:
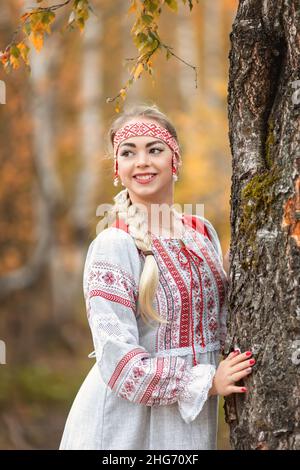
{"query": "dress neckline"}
(186, 232)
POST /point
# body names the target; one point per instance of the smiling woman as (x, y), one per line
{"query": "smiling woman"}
(147, 163)
(156, 306)
(147, 156)
(152, 147)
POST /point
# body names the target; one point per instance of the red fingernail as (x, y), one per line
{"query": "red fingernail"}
(244, 389)
(252, 361)
(248, 353)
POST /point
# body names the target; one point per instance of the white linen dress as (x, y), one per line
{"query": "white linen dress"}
(148, 388)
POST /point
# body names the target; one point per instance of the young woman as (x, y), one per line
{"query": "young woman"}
(156, 305)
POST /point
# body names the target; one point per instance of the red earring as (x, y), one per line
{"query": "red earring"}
(116, 177)
(174, 170)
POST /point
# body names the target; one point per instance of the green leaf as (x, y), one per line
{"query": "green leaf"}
(141, 38)
(27, 28)
(14, 51)
(152, 6)
(147, 19)
(47, 17)
(154, 36)
(172, 4)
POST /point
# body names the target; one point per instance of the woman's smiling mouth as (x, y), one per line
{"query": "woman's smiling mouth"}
(144, 178)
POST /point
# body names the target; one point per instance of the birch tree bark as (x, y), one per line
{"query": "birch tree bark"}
(263, 109)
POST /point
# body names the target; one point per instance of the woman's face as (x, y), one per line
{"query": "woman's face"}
(149, 156)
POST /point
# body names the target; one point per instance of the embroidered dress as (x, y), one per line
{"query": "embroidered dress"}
(148, 388)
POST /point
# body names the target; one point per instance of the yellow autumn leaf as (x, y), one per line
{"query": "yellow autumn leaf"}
(15, 62)
(23, 51)
(132, 7)
(47, 29)
(123, 93)
(37, 40)
(138, 71)
(80, 23)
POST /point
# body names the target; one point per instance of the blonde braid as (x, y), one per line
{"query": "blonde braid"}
(135, 218)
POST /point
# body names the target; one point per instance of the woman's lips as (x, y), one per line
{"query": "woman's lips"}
(144, 180)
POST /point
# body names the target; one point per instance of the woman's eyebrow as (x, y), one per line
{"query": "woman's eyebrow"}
(131, 144)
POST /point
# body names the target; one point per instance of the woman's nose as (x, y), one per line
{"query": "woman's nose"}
(143, 158)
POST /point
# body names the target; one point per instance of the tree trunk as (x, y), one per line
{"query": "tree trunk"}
(263, 108)
(186, 48)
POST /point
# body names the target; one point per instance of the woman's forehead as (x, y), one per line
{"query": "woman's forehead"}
(141, 140)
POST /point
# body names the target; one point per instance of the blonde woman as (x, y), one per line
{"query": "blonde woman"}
(156, 304)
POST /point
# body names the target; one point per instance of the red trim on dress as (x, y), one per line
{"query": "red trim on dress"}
(157, 376)
(122, 363)
(184, 318)
(111, 297)
(199, 226)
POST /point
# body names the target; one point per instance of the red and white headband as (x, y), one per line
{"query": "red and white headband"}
(144, 128)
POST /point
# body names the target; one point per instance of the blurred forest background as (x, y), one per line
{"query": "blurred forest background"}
(56, 168)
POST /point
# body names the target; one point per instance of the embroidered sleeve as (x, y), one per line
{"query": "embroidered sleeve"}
(111, 279)
(195, 393)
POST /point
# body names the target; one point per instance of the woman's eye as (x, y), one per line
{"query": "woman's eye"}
(126, 152)
(156, 148)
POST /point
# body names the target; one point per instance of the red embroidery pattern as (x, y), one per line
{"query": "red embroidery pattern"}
(153, 381)
(123, 363)
(215, 311)
(111, 297)
(143, 128)
(107, 280)
(208, 292)
(184, 294)
(214, 265)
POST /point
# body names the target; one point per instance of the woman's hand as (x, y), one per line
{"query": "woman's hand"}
(235, 367)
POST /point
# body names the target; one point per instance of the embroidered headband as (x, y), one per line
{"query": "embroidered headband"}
(143, 128)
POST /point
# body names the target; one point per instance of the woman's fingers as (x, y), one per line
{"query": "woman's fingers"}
(237, 358)
(242, 365)
(235, 389)
(240, 375)
(232, 354)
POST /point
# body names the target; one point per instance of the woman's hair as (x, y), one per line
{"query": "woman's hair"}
(135, 218)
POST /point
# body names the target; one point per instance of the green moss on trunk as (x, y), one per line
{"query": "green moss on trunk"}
(257, 199)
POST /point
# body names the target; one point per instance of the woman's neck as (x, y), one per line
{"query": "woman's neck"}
(164, 221)
(161, 217)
